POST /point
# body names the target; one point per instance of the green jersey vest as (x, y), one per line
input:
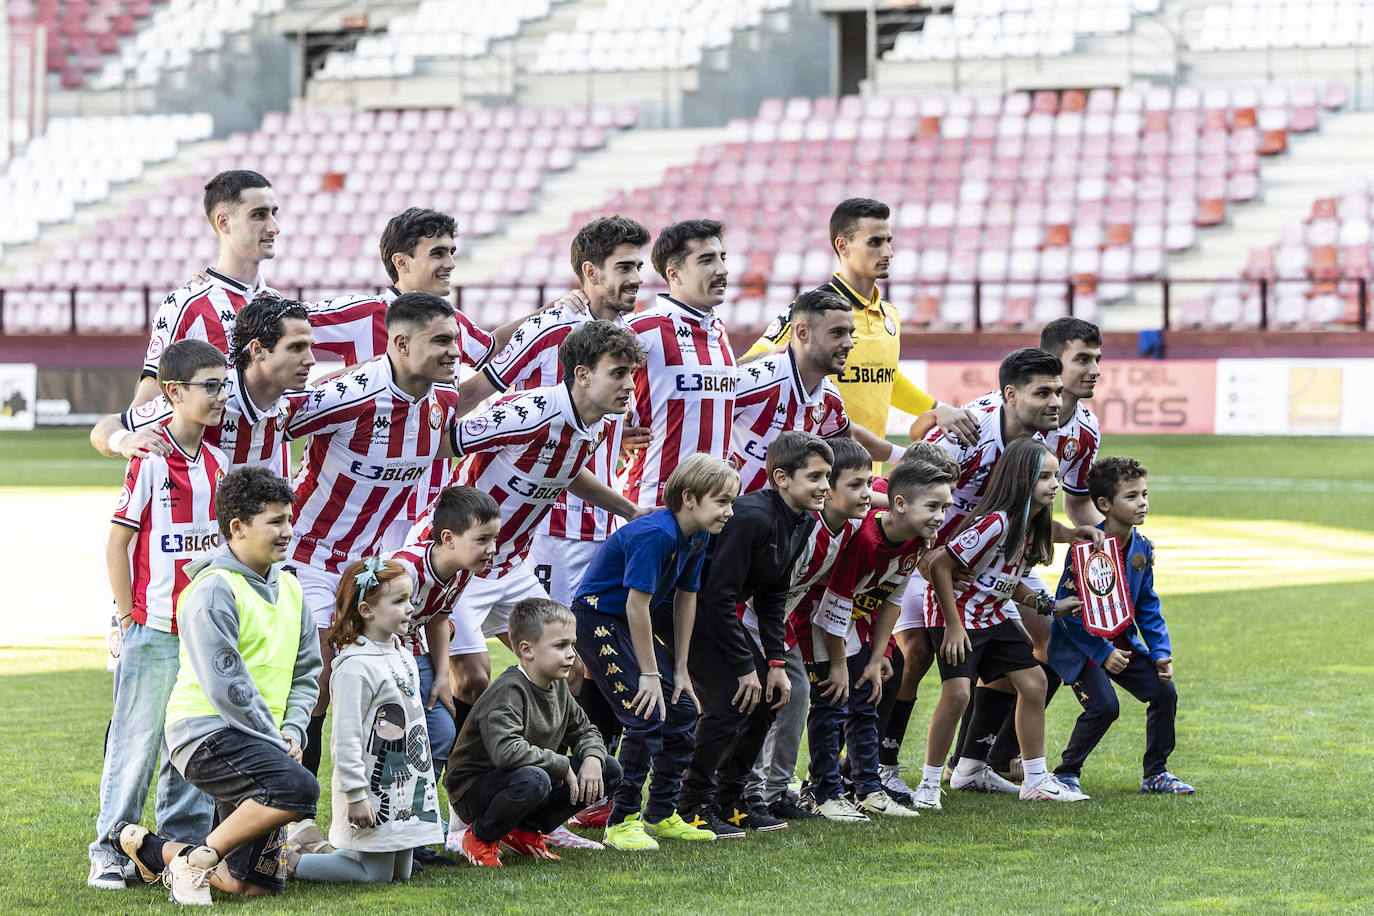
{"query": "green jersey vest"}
(269, 640)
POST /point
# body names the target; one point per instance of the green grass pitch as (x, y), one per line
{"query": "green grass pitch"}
(1266, 568)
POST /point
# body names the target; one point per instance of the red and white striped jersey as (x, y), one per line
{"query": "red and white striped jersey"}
(370, 445)
(1074, 444)
(871, 570)
(251, 436)
(981, 549)
(354, 328)
(823, 545)
(684, 394)
(170, 503)
(524, 450)
(529, 361)
(976, 461)
(199, 311)
(431, 595)
(771, 398)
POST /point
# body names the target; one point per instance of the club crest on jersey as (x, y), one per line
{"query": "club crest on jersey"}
(506, 353)
(1138, 562)
(1101, 573)
(476, 426)
(774, 329)
(146, 410)
(969, 539)
(155, 348)
(908, 564)
(1070, 449)
(890, 325)
(125, 494)
(436, 416)
(219, 475)
(817, 414)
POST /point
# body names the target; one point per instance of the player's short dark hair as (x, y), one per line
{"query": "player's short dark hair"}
(460, 508)
(848, 456)
(246, 492)
(673, 242)
(599, 239)
(844, 219)
(228, 187)
(404, 231)
(183, 359)
(916, 473)
(814, 303)
(263, 320)
(1055, 336)
(595, 339)
(1020, 366)
(792, 449)
(529, 618)
(417, 309)
(1107, 476)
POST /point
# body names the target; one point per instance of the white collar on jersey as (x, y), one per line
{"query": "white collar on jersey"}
(569, 409)
(808, 398)
(239, 390)
(704, 318)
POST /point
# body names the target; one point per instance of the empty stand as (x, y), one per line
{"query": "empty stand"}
(981, 29)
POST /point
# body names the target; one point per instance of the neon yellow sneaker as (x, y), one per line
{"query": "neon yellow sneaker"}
(673, 827)
(629, 835)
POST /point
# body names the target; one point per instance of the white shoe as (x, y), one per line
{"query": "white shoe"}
(840, 809)
(189, 884)
(1050, 789)
(881, 803)
(106, 876)
(982, 780)
(889, 775)
(927, 796)
(456, 828)
(305, 835)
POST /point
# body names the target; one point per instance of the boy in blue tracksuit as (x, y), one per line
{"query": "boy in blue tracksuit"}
(1139, 658)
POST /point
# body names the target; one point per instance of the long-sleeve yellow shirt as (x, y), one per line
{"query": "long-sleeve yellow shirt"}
(871, 383)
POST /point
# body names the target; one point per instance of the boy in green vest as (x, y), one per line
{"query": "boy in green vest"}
(236, 721)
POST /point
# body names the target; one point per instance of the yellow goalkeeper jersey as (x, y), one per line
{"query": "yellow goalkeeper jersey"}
(871, 382)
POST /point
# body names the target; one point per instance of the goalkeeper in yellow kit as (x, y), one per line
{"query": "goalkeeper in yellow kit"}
(871, 383)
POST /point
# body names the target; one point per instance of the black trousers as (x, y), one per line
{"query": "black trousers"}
(728, 741)
(1100, 709)
(523, 798)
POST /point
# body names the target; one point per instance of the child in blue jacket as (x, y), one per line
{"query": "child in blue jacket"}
(1139, 658)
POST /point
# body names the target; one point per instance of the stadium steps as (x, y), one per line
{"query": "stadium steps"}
(1313, 168)
(634, 159)
(190, 160)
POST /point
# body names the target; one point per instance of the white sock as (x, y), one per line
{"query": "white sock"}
(1034, 770)
(931, 774)
(967, 767)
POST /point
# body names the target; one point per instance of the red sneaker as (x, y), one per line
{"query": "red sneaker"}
(595, 816)
(480, 852)
(530, 845)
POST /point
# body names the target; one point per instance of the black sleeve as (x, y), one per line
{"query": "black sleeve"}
(728, 564)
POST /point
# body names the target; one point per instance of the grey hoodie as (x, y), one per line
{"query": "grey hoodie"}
(208, 621)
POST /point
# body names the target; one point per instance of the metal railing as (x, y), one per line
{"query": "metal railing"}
(1169, 303)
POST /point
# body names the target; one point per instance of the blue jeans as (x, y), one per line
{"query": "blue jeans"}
(143, 683)
(438, 721)
(853, 726)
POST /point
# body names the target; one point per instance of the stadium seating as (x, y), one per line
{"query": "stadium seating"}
(80, 32)
(1256, 25)
(77, 160)
(1028, 194)
(1311, 275)
(632, 35)
(339, 178)
(437, 28)
(981, 29)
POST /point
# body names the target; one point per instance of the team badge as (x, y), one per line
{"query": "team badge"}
(818, 414)
(1138, 562)
(146, 410)
(890, 325)
(1070, 449)
(436, 416)
(155, 348)
(505, 354)
(774, 329)
(969, 539)
(125, 494)
(1100, 574)
(219, 475)
(476, 426)
(908, 564)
